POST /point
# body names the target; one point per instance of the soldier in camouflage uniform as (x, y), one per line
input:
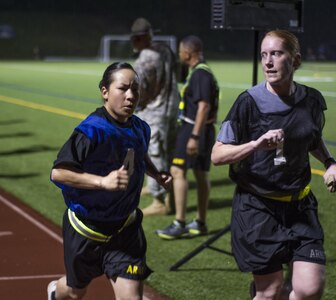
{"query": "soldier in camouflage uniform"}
(158, 105)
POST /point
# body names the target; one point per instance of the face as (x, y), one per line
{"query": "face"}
(122, 95)
(140, 42)
(184, 54)
(277, 63)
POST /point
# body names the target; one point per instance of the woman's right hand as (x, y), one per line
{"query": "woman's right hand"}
(270, 140)
(117, 180)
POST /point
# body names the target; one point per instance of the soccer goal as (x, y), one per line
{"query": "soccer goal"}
(117, 46)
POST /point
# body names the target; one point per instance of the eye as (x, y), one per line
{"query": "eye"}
(277, 53)
(123, 88)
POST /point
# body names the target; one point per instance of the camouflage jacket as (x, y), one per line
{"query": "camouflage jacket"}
(156, 69)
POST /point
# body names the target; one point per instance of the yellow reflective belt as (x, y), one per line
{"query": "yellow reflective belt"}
(82, 229)
(302, 194)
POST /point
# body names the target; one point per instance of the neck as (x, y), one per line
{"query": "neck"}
(281, 90)
(193, 62)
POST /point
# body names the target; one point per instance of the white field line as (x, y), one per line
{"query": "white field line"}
(239, 86)
(51, 70)
(4, 233)
(4, 278)
(31, 219)
(43, 228)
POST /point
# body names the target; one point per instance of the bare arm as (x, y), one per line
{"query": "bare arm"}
(322, 154)
(163, 178)
(228, 154)
(203, 109)
(115, 181)
(201, 117)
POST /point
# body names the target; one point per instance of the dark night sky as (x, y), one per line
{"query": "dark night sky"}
(181, 17)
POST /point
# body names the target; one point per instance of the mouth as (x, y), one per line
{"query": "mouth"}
(129, 107)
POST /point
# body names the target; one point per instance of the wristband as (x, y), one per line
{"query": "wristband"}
(194, 136)
(328, 162)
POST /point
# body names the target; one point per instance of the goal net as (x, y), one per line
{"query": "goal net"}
(119, 46)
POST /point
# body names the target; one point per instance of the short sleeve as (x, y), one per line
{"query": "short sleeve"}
(74, 151)
(234, 128)
(201, 84)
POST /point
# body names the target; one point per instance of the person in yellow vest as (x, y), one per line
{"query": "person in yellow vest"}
(195, 138)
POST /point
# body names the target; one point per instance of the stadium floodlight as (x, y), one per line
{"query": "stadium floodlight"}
(106, 40)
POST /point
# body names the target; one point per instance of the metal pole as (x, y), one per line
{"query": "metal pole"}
(200, 248)
(255, 58)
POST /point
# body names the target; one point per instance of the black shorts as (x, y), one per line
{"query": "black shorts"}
(267, 233)
(202, 161)
(123, 256)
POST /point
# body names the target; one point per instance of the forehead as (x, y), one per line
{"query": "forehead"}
(272, 43)
(183, 47)
(125, 76)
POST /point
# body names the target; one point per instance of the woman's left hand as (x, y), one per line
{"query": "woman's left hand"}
(330, 178)
(165, 179)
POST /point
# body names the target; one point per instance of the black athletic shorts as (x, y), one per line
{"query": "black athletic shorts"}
(202, 161)
(123, 256)
(267, 233)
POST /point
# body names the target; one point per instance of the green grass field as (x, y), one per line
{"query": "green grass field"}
(41, 103)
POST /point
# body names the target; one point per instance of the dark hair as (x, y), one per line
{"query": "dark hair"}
(108, 74)
(193, 43)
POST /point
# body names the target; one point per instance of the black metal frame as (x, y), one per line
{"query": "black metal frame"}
(206, 244)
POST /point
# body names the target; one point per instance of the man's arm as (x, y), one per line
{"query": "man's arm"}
(201, 117)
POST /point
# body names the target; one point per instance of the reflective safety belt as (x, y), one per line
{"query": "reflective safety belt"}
(82, 229)
(296, 197)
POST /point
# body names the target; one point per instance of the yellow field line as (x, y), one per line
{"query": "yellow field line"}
(71, 114)
(42, 107)
(317, 172)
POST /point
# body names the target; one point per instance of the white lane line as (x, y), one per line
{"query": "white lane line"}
(30, 277)
(4, 233)
(43, 228)
(32, 220)
(31, 68)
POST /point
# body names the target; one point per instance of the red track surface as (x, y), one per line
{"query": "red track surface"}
(31, 255)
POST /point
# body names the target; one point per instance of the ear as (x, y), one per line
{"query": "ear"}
(104, 93)
(297, 61)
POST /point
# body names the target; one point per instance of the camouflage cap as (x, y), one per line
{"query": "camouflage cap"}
(141, 26)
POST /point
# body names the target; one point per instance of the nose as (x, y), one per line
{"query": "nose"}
(268, 59)
(130, 95)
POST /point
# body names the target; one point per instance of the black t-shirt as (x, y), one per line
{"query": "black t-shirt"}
(99, 145)
(202, 86)
(254, 113)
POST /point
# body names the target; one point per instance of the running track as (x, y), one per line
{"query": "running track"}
(31, 255)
